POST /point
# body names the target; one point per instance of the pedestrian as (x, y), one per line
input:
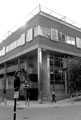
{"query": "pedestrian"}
(27, 94)
(53, 97)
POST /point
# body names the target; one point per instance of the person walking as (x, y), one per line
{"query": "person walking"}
(27, 94)
(53, 97)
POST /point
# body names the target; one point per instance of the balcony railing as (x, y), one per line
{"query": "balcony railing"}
(33, 13)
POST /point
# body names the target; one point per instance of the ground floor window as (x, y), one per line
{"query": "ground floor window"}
(57, 74)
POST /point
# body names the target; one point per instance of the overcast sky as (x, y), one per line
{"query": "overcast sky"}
(12, 11)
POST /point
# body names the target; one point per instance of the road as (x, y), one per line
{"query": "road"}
(70, 112)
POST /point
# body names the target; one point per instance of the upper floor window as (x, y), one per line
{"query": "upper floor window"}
(44, 31)
(29, 35)
(37, 31)
(54, 34)
(70, 40)
(61, 37)
(78, 42)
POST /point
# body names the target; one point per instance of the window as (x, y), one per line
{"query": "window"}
(61, 37)
(45, 32)
(2, 51)
(70, 40)
(36, 31)
(22, 39)
(54, 34)
(78, 42)
(29, 35)
(56, 69)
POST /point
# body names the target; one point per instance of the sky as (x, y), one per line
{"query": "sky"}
(13, 11)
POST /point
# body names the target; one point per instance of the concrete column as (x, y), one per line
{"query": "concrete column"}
(5, 77)
(65, 82)
(47, 85)
(46, 76)
(39, 62)
(65, 73)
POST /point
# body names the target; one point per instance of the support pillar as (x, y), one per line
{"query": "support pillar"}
(39, 55)
(65, 82)
(4, 89)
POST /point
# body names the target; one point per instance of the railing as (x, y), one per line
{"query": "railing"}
(33, 13)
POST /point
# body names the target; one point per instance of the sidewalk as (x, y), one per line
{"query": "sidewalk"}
(35, 104)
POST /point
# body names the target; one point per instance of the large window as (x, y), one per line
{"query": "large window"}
(56, 69)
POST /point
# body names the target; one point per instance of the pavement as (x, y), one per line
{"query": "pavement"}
(44, 104)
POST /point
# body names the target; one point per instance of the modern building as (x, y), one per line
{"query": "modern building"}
(43, 46)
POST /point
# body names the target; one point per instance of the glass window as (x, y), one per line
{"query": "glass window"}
(2, 51)
(63, 37)
(56, 69)
(78, 42)
(22, 39)
(36, 31)
(45, 32)
(58, 76)
(70, 40)
(29, 35)
(54, 34)
(58, 62)
(60, 36)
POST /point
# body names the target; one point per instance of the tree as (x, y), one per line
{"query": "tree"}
(74, 68)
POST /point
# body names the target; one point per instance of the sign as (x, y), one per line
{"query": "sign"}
(16, 94)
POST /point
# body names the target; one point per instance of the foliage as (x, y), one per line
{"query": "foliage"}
(74, 68)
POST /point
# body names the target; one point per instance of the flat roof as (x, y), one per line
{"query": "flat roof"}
(46, 13)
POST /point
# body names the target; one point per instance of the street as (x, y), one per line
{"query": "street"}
(69, 112)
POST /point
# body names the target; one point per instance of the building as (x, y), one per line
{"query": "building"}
(43, 46)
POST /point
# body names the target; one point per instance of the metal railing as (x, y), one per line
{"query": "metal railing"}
(33, 13)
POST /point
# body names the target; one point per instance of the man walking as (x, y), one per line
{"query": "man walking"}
(53, 97)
